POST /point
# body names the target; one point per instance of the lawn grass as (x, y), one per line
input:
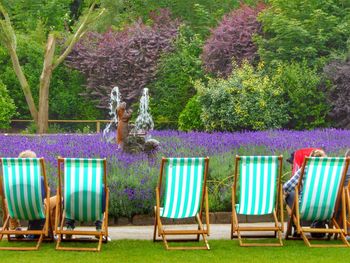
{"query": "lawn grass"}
(147, 251)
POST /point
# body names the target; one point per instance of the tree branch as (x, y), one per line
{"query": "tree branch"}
(8, 37)
(78, 34)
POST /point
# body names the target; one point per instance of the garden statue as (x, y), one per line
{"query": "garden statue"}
(123, 124)
(131, 139)
(110, 130)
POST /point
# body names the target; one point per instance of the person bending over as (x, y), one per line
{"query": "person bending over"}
(289, 192)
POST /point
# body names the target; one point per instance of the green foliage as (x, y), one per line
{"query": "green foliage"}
(86, 129)
(30, 129)
(307, 106)
(247, 99)
(200, 15)
(298, 30)
(66, 84)
(174, 79)
(25, 15)
(190, 117)
(7, 107)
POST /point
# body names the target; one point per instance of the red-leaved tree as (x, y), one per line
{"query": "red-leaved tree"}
(338, 72)
(232, 40)
(127, 59)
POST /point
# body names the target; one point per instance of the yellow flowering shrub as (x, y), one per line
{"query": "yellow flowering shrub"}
(247, 99)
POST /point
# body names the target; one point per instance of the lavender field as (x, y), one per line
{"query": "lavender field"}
(132, 178)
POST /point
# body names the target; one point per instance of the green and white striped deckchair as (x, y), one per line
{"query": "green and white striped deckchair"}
(184, 194)
(321, 187)
(319, 193)
(84, 183)
(22, 190)
(184, 187)
(259, 183)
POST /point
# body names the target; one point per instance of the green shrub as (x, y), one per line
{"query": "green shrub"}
(247, 99)
(190, 117)
(7, 107)
(200, 15)
(307, 105)
(174, 79)
(298, 30)
(54, 14)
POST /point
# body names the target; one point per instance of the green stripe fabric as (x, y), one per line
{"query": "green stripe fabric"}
(83, 188)
(184, 187)
(257, 180)
(321, 185)
(22, 188)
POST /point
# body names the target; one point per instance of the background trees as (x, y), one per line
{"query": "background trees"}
(303, 30)
(127, 59)
(177, 48)
(232, 40)
(40, 113)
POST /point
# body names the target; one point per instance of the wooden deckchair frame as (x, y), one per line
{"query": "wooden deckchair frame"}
(334, 227)
(60, 218)
(201, 231)
(346, 189)
(278, 228)
(44, 234)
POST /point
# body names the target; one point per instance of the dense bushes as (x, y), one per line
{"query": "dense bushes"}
(307, 105)
(190, 117)
(7, 107)
(232, 40)
(53, 14)
(338, 72)
(298, 30)
(200, 15)
(173, 86)
(245, 100)
(126, 59)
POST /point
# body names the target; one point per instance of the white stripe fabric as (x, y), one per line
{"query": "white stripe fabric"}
(184, 187)
(258, 183)
(22, 187)
(321, 186)
(83, 188)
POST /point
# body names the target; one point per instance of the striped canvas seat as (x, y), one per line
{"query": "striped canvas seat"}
(22, 188)
(184, 187)
(258, 184)
(258, 180)
(320, 197)
(319, 192)
(83, 188)
(184, 195)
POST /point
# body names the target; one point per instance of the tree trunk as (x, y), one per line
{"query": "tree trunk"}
(45, 78)
(24, 84)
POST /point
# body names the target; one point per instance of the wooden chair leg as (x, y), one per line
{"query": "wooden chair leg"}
(155, 229)
(5, 226)
(157, 226)
(200, 227)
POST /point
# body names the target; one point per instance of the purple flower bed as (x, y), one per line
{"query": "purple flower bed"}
(173, 143)
(132, 178)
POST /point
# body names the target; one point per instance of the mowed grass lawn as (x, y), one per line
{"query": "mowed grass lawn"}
(147, 251)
